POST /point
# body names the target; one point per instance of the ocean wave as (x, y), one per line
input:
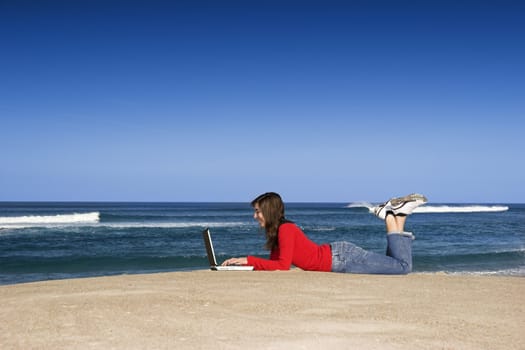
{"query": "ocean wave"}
(202, 224)
(510, 272)
(361, 205)
(508, 262)
(460, 209)
(320, 229)
(38, 220)
(441, 208)
(121, 225)
(516, 272)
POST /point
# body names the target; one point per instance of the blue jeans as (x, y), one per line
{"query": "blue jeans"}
(349, 258)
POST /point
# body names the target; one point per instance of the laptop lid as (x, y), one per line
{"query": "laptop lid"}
(206, 235)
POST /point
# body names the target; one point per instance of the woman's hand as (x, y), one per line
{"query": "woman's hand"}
(235, 261)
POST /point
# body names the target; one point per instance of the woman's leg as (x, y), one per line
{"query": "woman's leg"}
(349, 258)
(399, 242)
(395, 223)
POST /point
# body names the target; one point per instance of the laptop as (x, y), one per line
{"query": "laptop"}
(206, 235)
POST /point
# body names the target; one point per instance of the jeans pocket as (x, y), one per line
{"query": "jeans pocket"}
(338, 256)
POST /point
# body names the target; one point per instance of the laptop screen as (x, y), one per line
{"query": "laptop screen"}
(206, 235)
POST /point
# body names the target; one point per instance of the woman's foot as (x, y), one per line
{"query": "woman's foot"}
(400, 205)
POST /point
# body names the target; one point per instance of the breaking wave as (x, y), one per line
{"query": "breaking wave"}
(38, 220)
(442, 208)
(460, 209)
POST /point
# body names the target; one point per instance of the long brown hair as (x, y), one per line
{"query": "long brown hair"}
(272, 208)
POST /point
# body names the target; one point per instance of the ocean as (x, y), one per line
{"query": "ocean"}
(57, 240)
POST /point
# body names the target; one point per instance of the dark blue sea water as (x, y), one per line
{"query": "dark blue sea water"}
(41, 241)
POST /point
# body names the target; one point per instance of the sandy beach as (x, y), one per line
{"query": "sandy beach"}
(265, 310)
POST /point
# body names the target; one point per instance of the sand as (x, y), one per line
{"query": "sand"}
(265, 310)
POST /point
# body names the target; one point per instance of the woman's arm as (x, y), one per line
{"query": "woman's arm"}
(280, 258)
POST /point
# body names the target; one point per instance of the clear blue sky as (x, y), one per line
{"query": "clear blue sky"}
(222, 100)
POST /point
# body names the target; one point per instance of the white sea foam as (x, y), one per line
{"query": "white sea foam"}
(360, 205)
(92, 219)
(37, 220)
(460, 208)
(202, 224)
(518, 272)
(321, 229)
(442, 208)
(366, 205)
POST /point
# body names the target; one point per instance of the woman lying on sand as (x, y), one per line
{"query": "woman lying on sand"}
(289, 245)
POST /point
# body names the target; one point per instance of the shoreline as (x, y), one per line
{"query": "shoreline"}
(513, 273)
(265, 310)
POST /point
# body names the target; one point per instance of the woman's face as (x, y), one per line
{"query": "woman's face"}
(258, 215)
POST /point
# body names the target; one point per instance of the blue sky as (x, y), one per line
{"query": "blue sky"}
(222, 100)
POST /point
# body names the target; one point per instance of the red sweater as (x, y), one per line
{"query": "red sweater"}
(295, 248)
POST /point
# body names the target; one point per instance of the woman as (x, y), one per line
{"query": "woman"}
(289, 245)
